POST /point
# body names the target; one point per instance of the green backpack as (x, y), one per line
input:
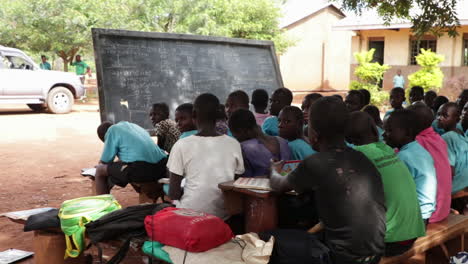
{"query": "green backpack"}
(76, 213)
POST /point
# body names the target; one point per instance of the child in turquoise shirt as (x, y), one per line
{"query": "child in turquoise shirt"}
(184, 120)
(400, 132)
(281, 98)
(290, 127)
(397, 97)
(457, 144)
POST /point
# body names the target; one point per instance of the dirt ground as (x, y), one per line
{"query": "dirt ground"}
(41, 156)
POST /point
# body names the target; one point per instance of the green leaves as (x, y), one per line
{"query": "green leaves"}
(430, 77)
(369, 75)
(428, 16)
(64, 27)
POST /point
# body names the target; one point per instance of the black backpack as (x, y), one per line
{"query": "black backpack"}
(123, 224)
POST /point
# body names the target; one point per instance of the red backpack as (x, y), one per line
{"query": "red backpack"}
(187, 229)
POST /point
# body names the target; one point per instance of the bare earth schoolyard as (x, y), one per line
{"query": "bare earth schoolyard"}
(41, 156)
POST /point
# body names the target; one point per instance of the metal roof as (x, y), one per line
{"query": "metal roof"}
(296, 10)
(371, 20)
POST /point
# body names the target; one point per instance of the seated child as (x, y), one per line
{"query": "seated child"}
(281, 98)
(462, 99)
(429, 98)
(184, 120)
(204, 160)
(436, 146)
(416, 94)
(306, 103)
(400, 133)
(260, 104)
(374, 112)
(165, 129)
(258, 149)
(140, 159)
(366, 96)
(457, 144)
(464, 119)
(347, 190)
(236, 100)
(291, 128)
(403, 215)
(354, 101)
(221, 121)
(438, 102)
(397, 97)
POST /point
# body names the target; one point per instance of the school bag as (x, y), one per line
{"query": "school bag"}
(76, 213)
(124, 224)
(187, 229)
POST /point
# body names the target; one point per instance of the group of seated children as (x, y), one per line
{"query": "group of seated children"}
(373, 184)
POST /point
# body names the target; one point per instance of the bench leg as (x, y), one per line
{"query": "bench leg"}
(462, 242)
(445, 250)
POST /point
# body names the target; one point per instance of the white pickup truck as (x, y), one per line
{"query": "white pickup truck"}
(23, 82)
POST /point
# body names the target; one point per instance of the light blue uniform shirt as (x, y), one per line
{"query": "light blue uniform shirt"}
(387, 114)
(188, 133)
(300, 149)
(458, 157)
(270, 126)
(381, 132)
(130, 143)
(441, 131)
(399, 81)
(421, 166)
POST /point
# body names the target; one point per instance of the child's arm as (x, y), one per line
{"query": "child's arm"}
(278, 182)
(175, 191)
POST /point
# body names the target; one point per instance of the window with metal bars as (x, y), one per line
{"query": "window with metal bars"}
(417, 45)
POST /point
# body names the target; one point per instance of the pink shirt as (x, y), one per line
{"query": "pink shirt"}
(437, 147)
(260, 118)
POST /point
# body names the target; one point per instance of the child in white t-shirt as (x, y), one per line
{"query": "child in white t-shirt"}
(205, 160)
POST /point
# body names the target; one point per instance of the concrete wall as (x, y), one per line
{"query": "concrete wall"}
(397, 55)
(316, 62)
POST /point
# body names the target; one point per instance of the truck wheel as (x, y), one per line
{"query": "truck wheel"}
(60, 100)
(37, 107)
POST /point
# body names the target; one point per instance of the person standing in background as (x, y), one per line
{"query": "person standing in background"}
(81, 68)
(44, 64)
(399, 80)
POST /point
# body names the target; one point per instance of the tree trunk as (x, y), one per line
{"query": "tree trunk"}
(67, 57)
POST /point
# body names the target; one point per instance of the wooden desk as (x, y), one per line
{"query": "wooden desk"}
(259, 207)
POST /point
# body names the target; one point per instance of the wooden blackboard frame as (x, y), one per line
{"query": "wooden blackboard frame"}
(98, 32)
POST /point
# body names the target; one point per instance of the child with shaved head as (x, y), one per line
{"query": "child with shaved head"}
(403, 217)
(436, 146)
(346, 187)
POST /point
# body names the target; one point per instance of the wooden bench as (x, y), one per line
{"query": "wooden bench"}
(148, 192)
(442, 240)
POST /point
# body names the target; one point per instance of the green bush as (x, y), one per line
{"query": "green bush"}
(430, 77)
(369, 75)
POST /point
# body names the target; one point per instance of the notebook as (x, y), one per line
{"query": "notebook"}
(88, 172)
(13, 255)
(253, 183)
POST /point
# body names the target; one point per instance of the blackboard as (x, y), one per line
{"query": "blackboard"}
(137, 69)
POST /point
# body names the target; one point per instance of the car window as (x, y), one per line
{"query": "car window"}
(4, 63)
(15, 62)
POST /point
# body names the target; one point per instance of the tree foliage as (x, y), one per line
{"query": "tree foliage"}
(64, 27)
(369, 75)
(433, 16)
(430, 76)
